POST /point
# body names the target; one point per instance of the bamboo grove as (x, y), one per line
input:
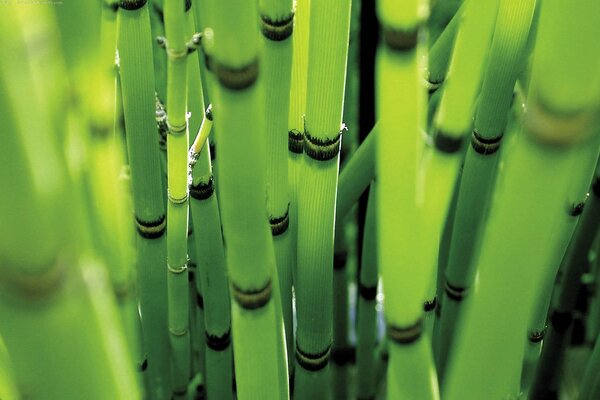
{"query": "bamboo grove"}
(308, 199)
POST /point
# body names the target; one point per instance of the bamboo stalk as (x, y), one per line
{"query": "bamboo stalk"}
(277, 19)
(367, 289)
(328, 54)
(403, 225)
(356, 175)
(137, 84)
(546, 379)
(257, 324)
(212, 274)
(479, 168)
(177, 207)
(8, 388)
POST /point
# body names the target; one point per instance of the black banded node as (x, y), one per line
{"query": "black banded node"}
(400, 40)
(322, 149)
(313, 361)
(537, 335)
(252, 299)
(202, 190)
(235, 78)
(199, 301)
(277, 29)
(485, 146)
(295, 141)
(132, 5)
(218, 343)
(430, 305)
(455, 293)
(280, 224)
(404, 335)
(367, 293)
(575, 209)
(151, 229)
(447, 143)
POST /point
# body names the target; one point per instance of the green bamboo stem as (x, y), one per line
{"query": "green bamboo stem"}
(82, 351)
(479, 169)
(442, 14)
(296, 118)
(211, 277)
(441, 51)
(177, 207)
(277, 22)
(514, 225)
(547, 375)
(402, 223)
(257, 323)
(328, 52)
(137, 84)
(356, 175)
(367, 289)
(455, 112)
(157, 24)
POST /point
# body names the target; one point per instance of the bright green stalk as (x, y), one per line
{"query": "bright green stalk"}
(441, 51)
(277, 18)
(157, 24)
(356, 175)
(137, 82)
(572, 267)
(507, 291)
(296, 117)
(8, 389)
(259, 349)
(479, 168)
(405, 232)
(82, 351)
(211, 276)
(367, 290)
(177, 206)
(442, 14)
(328, 53)
(455, 112)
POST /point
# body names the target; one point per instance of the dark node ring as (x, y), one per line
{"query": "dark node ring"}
(200, 301)
(455, 293)
(339, 260)
(432, 87)
(151, 229)
(406, 335)
(218, 343)
(313, 362)
(111, 5)
(576, 209)
(596, 186)
(280, 224)
(368, 293)
(447, 143)
(537, 336)
(343, 355)
(143, 365)
(278, 30)
(295, 141)
(561, 321)
(208, 113)
(400, 40)
(429, 305)
(322, 149)
(203, 190)
(254, 298)
(132, 5)
(485, 146)
(188, 5)
(235, 78)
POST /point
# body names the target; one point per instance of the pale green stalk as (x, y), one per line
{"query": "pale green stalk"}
(328, 53)
(257, 323)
